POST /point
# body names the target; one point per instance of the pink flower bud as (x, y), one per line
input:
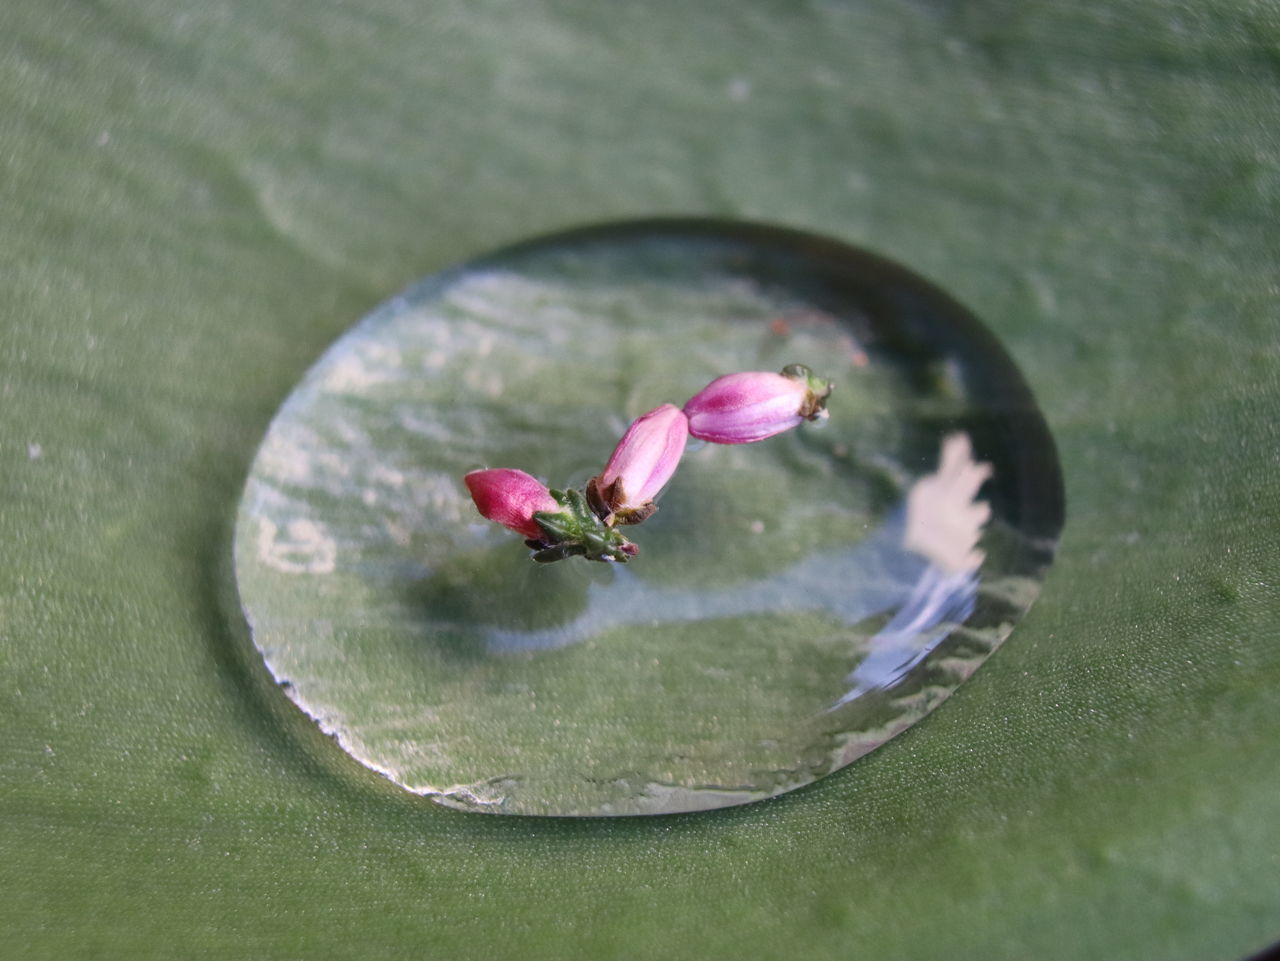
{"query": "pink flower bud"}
(747, 407)
(510, 498)
(641, 464)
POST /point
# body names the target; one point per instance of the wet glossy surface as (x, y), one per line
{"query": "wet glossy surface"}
(796, 602)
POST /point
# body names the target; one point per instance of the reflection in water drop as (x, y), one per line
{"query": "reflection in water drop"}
(925, 555)
(795, 604)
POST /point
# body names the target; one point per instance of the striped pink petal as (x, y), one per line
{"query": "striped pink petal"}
(746, 407)
(647, 456)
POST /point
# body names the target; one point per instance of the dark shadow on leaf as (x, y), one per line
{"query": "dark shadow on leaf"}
(500, 588)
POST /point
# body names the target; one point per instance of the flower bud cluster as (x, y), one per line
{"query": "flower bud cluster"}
(734, 409)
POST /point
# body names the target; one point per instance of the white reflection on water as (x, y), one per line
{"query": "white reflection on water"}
(920, 566)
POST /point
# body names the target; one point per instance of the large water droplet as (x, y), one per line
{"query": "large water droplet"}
(796, 602)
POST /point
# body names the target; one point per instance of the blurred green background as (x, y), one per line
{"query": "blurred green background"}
(197, 196)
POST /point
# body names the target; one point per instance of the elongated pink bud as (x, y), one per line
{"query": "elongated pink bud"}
(747, 407)
(511, 498)
(641, 464)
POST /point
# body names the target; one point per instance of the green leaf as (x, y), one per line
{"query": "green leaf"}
(199, 198)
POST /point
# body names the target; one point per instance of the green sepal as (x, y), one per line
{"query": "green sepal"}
(815, 402)
(576, 531)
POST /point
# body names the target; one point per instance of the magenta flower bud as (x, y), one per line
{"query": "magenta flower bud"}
(641, 465)
(511, 498)
(747, 407)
